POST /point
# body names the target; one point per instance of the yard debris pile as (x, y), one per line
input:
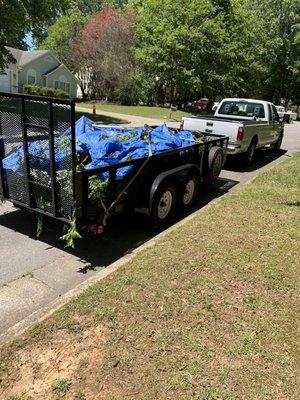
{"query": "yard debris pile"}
(100, 146)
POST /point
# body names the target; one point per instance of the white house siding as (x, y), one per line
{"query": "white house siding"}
(6, 81)
(62, 74)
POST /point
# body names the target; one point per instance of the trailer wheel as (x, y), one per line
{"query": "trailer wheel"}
(164, 204)
(189, 191)
(216, 158)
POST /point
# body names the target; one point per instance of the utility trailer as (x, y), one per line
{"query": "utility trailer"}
(158, 185)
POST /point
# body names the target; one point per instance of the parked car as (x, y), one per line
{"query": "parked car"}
(202, 104)
(287, 116)
(250, 124)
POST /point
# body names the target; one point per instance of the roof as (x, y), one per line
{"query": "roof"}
(58, 67)
(23, 57)
(52, 70)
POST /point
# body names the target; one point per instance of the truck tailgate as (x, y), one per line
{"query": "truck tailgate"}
(218, 127)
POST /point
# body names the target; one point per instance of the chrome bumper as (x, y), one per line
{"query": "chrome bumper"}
(234, 148)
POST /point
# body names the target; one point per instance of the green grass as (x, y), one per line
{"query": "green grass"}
(60, 388)
(210, 312)
(141, 111)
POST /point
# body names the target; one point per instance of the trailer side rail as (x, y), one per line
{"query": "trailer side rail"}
(34, 181)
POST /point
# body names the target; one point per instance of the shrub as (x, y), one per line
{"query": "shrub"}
(45, 91)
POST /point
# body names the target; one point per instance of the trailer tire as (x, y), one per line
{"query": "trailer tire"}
(189, 191)
(164, 204)
(216, 159)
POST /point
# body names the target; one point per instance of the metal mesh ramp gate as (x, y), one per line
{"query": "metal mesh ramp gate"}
(37, 137)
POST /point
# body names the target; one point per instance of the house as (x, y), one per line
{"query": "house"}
(38, 67)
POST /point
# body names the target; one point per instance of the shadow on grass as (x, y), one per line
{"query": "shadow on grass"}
(100, 119)
(124, 234)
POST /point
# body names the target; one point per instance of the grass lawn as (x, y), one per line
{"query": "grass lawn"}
(207, 313)
(60, 112)
(141, 111)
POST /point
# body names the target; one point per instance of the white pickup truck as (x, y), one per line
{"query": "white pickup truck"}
(249, 123)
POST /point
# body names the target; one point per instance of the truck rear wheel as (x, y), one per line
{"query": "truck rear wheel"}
(278, 143)
(189, 191)
(249, 155)
(164, 204)
(216, 159)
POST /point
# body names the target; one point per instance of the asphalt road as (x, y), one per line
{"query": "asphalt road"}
(41, 269)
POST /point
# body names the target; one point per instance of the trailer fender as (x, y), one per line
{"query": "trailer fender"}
(173, 175)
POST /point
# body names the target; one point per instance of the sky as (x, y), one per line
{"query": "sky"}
(29, 41)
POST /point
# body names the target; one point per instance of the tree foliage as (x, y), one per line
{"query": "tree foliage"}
(19, 17)
(66, 29)
(209, 50)
(104, 48)
(281, 27)
(90, 7)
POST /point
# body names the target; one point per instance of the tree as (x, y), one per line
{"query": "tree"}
(61, 36)
(90, 7)
(280, 19)
(104, 48)
(195, 48)
(19, 17)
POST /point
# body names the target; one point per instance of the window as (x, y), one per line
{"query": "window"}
(31, 76)
(62, 85)
(275, 115)
(242, 109)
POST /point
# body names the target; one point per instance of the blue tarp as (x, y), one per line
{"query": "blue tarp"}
(106, 145)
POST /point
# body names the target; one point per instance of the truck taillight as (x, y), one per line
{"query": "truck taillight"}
(181, 125)
(240, 133)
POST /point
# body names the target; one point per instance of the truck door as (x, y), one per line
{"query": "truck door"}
(261, 127)
(275, 124)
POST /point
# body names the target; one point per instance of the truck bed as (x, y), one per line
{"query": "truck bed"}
(245, 121)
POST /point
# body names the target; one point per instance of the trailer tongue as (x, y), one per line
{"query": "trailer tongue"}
(49, 167)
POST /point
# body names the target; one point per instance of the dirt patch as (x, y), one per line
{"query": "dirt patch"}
(46, 366)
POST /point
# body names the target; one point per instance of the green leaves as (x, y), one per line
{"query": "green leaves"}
(199, 49)
(19, 17)
(39, 225)
(71, 233)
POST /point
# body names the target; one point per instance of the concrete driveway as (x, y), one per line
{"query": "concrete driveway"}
(34, 272)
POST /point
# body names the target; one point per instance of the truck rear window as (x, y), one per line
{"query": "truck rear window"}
(242, 109)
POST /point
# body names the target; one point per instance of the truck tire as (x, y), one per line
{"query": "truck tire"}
(249, 155)
(164, 204)
(278, 143)
(216, 159)
(189, 191)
